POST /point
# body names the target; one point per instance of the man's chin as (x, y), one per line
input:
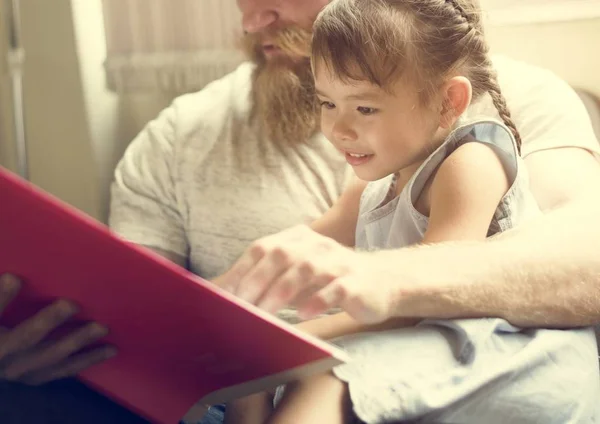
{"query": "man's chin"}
(284, 100)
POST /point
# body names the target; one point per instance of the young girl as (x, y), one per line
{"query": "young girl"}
(394, 79)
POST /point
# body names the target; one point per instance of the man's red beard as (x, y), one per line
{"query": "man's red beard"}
(283, 90)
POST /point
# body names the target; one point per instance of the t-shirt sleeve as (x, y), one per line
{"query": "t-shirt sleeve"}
(144, 202)
(547, 111)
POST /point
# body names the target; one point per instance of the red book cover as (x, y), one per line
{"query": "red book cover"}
(181, 340)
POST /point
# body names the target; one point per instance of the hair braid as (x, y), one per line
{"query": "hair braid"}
(501, 106)
(456, 5)
(490, 78)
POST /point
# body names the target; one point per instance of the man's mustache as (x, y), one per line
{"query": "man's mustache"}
(292, 41)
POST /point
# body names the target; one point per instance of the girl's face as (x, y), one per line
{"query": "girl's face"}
(380, 133)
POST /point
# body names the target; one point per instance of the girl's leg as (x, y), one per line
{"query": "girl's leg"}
(253, 409)
(320, 399)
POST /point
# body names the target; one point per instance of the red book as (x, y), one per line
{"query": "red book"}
(181, 340)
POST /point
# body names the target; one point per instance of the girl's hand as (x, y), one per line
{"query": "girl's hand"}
(301, 267)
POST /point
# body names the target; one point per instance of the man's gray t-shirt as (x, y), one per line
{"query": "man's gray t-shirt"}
(199, 181)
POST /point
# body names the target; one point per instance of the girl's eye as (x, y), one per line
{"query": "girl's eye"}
(327, 105)
(366, 110)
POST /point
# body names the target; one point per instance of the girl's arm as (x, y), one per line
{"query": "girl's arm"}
(465, 194)
(460, 202)
(333, 326)
(339, 222)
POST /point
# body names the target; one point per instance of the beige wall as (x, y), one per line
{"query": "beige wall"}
(76, 129)
(60, 153)
(73, 122)
(7, 150)
(571, 49)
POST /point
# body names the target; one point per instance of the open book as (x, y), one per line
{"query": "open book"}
(181, 340)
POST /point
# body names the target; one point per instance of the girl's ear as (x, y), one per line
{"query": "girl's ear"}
(456, 98)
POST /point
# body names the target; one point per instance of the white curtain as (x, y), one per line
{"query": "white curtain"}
(173, 46)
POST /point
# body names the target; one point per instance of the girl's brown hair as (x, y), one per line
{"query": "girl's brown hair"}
(424, 40)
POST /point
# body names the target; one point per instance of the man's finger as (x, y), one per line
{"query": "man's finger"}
(54, 353)
(72, 366)
(292, 287)
(32, 331)
(262, 276)
(330, 296)
(230, 281)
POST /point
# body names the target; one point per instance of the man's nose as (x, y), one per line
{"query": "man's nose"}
(258, 15)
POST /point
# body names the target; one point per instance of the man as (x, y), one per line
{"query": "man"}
(243, 159)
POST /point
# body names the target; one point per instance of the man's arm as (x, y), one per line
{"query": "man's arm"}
(333, 326)
(545, 273)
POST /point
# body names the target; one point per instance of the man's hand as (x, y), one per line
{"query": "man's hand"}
(301, 267)
(25, 354)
